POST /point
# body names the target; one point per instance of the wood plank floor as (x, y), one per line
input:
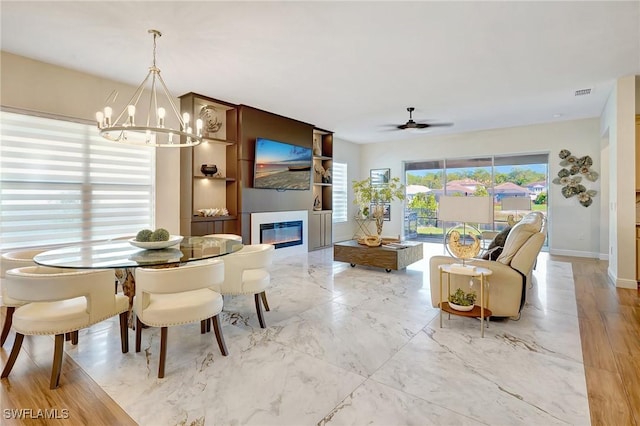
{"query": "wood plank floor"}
(609, 328)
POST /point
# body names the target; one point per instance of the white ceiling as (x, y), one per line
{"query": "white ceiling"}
(352, 67)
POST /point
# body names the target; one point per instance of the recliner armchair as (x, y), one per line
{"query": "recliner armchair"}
(511, 271)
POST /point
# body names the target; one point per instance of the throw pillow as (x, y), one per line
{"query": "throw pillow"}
(496, 245)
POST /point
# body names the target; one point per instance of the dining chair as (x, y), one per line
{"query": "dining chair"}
(60, 302)
(167, 297)
(246, 272)
(233, 237)
(12, 260)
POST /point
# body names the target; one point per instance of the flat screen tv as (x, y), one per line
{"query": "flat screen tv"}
(282, 166)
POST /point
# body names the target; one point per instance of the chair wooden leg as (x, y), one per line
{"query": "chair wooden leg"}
(264, 301)
(74, 337)
(259, 310)
(163, 351)
(17, 344)
(208, 325)
(56, 367)
(138, 334)
(218, 330)
(8, 320)
(203, 326)
(124, 332)
(67, 337)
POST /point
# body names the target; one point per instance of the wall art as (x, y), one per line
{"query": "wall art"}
(570, 177)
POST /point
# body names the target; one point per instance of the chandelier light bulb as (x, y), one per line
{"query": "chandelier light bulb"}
(131, 109)
(107, 116)
(99, 118)
(161, 115)
(199, 127)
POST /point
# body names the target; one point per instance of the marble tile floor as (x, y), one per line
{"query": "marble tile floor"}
(353, 346)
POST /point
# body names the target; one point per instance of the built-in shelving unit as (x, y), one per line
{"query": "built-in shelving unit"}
(219, 147)
(320, 222)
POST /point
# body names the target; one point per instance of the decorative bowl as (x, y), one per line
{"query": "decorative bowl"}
(460, 307)
(156, 245)
(209, 169)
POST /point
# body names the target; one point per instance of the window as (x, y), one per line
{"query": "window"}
(339, 192)
(63, 183)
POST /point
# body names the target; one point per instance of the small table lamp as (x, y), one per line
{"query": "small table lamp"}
(516, 204)
(468, 211)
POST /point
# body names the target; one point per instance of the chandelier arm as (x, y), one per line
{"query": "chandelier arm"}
(173, 105)
(136, 95)
(152, 98)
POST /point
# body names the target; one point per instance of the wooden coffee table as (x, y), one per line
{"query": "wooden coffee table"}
(380, 257)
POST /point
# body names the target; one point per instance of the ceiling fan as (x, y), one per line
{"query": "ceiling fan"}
(411, 124)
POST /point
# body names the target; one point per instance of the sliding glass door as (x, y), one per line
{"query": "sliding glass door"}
(516, 183)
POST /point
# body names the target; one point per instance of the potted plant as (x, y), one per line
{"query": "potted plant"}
(461, 301)
(366, 194)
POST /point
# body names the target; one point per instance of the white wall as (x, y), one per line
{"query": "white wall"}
(573, 230)
(349, 153)
(617, 123)
(37, 86)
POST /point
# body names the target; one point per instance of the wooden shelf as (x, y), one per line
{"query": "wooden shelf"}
(322, 157)
(474, 313)
(227, 179)
(219, 141)
(219, 147)
(322, 184)
(212, 218)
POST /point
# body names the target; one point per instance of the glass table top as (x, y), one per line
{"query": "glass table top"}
(122, 254)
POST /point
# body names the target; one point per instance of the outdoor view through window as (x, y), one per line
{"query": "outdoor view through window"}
(517, 184)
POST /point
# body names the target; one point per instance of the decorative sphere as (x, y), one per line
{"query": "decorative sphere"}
(144, 235)
(160, 234)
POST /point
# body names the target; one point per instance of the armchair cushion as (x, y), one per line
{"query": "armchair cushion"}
(519, 235)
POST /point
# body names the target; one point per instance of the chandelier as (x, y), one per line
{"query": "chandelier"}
(153, 132)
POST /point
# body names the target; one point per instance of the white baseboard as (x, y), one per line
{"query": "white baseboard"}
(575, 253)
(622, 282)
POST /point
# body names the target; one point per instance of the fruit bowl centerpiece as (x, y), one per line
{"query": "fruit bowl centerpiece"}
(155, 240)
(461, 301)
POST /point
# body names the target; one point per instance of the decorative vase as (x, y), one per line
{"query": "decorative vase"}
(379, 223)
(209, 169)
(378, 214)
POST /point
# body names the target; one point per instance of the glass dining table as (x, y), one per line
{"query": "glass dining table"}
(123, 257)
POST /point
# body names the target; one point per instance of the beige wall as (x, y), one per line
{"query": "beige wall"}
(37, 86)
(349, 153)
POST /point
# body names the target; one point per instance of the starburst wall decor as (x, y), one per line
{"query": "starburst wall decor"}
(569, 177)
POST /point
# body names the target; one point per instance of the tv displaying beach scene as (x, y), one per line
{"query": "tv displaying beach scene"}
(281, 165)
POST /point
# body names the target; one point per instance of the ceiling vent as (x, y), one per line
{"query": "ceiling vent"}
(583, 92)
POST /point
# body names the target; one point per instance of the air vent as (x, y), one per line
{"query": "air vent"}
(583, 92)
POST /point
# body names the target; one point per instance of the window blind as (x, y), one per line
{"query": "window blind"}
(61, 183)
(339, 192)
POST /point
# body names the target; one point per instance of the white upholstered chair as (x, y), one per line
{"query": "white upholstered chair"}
(62, 301)
(246, 272)
(168, 297)
(12, 260)
(233, 237)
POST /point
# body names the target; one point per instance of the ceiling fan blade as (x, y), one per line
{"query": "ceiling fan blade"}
(440, 125)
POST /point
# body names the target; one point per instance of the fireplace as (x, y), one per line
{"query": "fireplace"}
(281, 234)
(286, 230)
